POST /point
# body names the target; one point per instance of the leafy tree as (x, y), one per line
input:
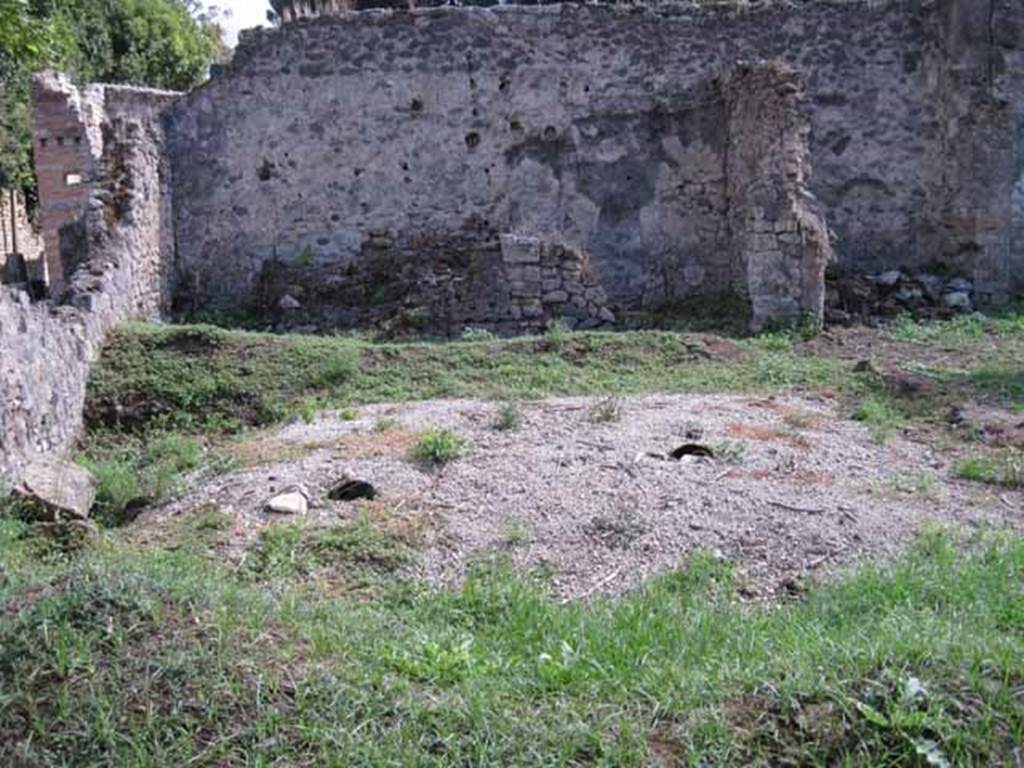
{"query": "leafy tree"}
(26, 42)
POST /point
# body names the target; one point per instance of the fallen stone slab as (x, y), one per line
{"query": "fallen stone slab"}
(54, 490)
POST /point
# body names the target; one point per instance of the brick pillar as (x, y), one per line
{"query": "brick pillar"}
(67, 139)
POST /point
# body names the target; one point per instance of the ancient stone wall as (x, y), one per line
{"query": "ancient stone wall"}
(605, 129)
(21, 244)
(46, 347)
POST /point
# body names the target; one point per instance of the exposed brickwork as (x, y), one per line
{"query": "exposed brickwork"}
(122, 268)
(67, 145)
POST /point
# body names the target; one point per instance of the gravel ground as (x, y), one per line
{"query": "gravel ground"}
(795, 490)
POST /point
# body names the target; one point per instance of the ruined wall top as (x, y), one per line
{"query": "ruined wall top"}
(295, 10)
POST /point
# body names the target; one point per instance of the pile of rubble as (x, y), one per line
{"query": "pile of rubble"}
(853, 297)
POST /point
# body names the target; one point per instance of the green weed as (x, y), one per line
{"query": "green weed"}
(606, 410)
(385, 424)
(879, 415)
(477, 335)
(1004, 468)
(438, 446)
(508, 418)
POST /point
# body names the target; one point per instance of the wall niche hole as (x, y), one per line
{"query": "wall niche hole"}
(515, 125)
(265, 171)
(551, 133)
(472, 139)
(416, 105)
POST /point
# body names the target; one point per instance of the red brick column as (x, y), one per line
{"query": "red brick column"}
(64, 164)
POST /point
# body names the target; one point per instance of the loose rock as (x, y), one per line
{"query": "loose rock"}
(53, 490)
(292, 503)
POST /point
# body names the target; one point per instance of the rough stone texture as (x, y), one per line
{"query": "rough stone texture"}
(511, 165)
(71, 128)
(781, 237)
(21, 245)
(438, 285)
(46, 347)
(613, 130)
(54, 490)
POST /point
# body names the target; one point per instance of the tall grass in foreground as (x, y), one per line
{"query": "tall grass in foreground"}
(130, 658)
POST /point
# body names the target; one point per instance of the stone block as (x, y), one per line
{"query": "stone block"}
(54, 490)
(520, 250)
(555, 297)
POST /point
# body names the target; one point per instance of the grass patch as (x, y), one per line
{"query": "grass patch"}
(1005, 468)
(879, 415)
(508, 418)
(438, 446)
(960, 331)
(356, 552)
(131, 473)
(205, 379)
(912, 484)
(606, 411)
(189, 662)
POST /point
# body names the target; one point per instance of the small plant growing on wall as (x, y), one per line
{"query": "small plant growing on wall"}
(306, 258)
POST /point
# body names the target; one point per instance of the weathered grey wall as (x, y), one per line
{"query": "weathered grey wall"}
(21, 244)
(600, 127)
(46, 348)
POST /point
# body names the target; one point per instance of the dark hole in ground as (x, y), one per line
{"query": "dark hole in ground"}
(348, 489)
(692, 449)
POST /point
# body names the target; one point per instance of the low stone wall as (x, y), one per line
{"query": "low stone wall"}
(46, 348)
(439, 286)
(21, 245)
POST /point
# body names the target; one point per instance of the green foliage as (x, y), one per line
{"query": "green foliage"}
(117, 486)
(960, 331)
(203, 378)
(131, 473)
(385, 424)
(290, 550)
(158, 43)
(438, 446)
(1004, 468)
(190, 377)
(508, 418)
(730, 451)
(606, 410)
(879, 415)
(557, 331)
(477, 335)
(893, 665)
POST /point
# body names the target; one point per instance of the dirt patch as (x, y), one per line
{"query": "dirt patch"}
(767, 434)
(598, 506)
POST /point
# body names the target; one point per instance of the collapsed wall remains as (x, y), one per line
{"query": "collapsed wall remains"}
(505, 167)
(122, 273)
